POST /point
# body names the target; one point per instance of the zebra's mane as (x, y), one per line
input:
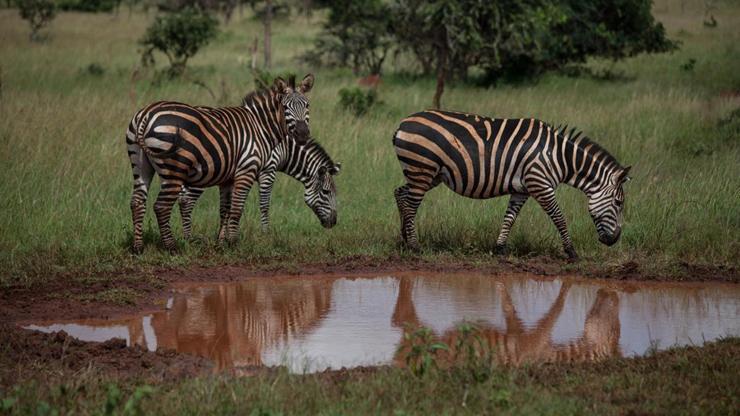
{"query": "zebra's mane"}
(577, 135)
(261, 92)
(314, 146)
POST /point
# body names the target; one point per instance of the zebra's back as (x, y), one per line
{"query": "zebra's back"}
(475, 156)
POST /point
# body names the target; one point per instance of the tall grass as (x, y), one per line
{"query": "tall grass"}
(65, 179)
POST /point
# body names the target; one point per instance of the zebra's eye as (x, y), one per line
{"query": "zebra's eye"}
(619, 203)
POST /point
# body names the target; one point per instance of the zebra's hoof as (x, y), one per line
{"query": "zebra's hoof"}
(501, 250)
(413, 247)
(137, 249)
(572, 255)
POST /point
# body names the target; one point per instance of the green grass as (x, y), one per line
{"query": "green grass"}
(680, 381)
(65, 179)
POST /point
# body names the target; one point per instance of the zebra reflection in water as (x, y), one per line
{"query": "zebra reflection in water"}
(518, 343)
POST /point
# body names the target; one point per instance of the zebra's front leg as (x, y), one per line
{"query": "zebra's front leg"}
(188, 198)
(546, 199)
(224, 207)
(242, 185)
(516, 202)
(408, 199)
(266, 180)
(168, 194)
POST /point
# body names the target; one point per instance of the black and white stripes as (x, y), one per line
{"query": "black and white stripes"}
(480, 157)
(309, 164)
(203, 147)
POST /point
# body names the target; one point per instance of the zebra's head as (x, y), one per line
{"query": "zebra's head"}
(295, 105)
(605, 206)
(321, 194)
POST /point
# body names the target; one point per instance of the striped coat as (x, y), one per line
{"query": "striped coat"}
(480, 157)
(227, 147)
(309, 164)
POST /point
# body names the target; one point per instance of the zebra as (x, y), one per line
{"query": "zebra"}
(309, 164)
(481, 158)
(202, 147)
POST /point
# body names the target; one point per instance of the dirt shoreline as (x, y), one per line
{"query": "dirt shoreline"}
(34, 355)
(106, 295)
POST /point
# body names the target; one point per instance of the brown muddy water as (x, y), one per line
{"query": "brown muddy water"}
(315, 323)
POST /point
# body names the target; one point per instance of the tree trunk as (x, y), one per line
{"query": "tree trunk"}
(441, 76)
(268, 34)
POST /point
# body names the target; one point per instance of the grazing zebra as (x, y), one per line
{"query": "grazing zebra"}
(202, 147)
(309, 164)
(479, 157)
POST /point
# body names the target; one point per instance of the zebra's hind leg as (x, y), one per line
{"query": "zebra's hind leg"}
(546, 199)
(516, 202)
(168, 194)
(400, 193)
(409, 198)
(187, 199)
(143, 173)
(242, 185)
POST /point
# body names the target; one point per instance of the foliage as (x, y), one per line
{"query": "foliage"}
(356, 100)
(509, 39)
(179, 35)
(422, 350)
(88, 5)
(38, 13)
(357, 34)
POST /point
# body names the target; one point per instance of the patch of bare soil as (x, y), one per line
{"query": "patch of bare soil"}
(32, 355)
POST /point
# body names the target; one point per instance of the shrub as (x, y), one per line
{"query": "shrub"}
(356, 100)
(178, 35)
(357, 34)
(38, 13)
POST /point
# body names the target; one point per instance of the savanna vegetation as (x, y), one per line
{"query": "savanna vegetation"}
(66, 98)
(65, 103)
(687, 380)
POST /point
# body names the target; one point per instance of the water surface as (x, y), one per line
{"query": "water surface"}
(315, 323)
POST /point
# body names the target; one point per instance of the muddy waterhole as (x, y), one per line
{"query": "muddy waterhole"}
(315, 323)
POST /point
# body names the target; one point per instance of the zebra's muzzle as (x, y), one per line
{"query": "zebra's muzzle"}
(329, 222)
(610, 238)
(301, 132)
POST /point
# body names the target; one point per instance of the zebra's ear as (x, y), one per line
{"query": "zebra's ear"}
(334, 170)
(280, 85)
(306, 84)
(624, 175)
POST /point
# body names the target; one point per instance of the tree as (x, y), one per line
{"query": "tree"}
(38, 13)
(503, 39)
(179, 35)
(267, 22)
(357, 34)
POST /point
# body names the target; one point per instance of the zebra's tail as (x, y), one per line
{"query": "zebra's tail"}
(141, 133)
(140, 130)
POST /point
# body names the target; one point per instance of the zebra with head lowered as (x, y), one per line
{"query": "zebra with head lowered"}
(197, 147)
(480, 157)
(309, 164)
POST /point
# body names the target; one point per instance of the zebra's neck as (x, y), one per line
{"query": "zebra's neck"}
(301, 162)
(587, 165)
(266, 107)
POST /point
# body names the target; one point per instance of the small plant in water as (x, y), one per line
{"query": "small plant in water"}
(423, 350)
(472, 353)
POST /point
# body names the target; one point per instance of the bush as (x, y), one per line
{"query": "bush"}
(357, 101)
(357, 34)
(106, 6)
(38, 13)
(178, 35)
